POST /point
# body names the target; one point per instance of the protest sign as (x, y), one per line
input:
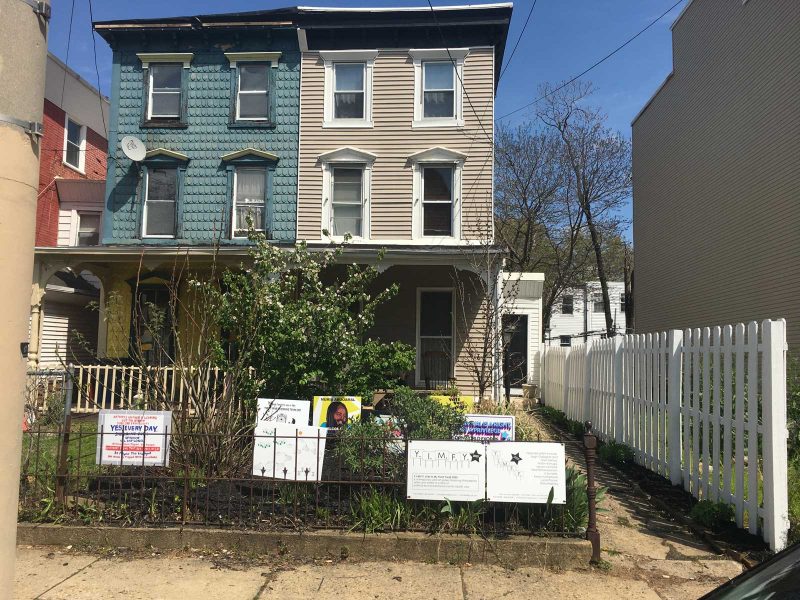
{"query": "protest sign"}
(525, 472)
(336, 411)
(446, 470)
(292, 452)
(133, 437)
(489, 427)
(293, 412)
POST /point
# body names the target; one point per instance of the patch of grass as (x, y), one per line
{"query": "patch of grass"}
(794, 501)
(714, 515)
(374, 511)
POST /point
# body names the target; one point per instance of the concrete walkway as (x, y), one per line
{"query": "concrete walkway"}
(647, 555)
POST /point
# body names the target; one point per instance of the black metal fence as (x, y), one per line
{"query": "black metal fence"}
(209, 482)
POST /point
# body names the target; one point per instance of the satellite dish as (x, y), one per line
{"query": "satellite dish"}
(133, 148)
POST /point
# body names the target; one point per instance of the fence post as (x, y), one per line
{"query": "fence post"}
(776, 490)
(565, 384)
(618, 411)
(63, 453)
(674, 441)
(592, 534)
(587, 383)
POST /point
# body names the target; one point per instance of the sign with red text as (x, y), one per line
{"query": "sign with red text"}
(133, 437)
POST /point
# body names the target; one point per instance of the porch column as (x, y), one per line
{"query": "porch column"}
(34, 343)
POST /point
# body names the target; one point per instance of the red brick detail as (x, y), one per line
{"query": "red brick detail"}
(52, 165)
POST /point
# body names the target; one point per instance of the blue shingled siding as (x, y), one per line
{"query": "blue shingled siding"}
(205, 198)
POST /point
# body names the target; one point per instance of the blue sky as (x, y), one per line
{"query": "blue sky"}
(562, 39)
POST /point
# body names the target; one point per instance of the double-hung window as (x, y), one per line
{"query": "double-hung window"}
(435, 337)
(249, 200)
(438, 89)
(252, 103)
(347, 207)
(348, 90)
(74, 144)
(567, 304)
(437, 201)
(161, 195)
(88, 229)
(165, 91)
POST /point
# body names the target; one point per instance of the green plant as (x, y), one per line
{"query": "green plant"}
(462, 517)
(374, 511)
(572, 516)
(370, 449)
(290, 494)
(420, 417)
(714, 515)
(616, 454)
(794, 501)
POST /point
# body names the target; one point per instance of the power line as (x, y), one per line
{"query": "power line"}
(97, 70)
(598, 63)
(66, 58)
(519, 39)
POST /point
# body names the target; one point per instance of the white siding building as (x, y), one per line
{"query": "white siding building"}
(578, 314)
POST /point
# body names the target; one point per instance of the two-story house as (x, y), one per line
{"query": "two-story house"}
(579, 315)
(321, 125)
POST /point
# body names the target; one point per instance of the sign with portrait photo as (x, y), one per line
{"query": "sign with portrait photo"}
(333, 412)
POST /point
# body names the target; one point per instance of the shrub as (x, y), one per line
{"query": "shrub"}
(375, 510)
(714, 515)
(370, 449)
(422, 418)
(617, 454)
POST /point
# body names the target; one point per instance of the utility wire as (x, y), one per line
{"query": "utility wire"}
(598, 63)
(519, 39)
(96, 69)
(66, 58)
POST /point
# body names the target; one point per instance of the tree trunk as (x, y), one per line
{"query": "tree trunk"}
(601, 272)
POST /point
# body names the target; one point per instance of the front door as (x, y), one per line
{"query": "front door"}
(517, 350)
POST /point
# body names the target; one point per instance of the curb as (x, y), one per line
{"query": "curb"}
(564, 553)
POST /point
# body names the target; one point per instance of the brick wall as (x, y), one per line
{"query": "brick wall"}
(52, 166)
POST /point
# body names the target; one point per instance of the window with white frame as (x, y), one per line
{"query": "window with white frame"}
(567, 304)
(564, 340)
(347, 208)
(88, 229)
(252, 102)
(348, 87)
(435, 337)
(74, 144)
(161, 196)
(348, 90)
(165, 91)
(249, 200)
(437, 201)
(438, 78)
(438, 89)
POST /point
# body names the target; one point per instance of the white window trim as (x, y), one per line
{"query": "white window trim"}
(147, 58)
(419, 381)
(81, 167)
(239, 92)
(77, 224)
(236, 57)
(150, 98)
(456, 55)
(353, 158)
(330, 57)
(233, 200)
(435, 157)
(144, 207)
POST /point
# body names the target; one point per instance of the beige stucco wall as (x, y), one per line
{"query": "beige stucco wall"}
(393, 139)
(716, 172)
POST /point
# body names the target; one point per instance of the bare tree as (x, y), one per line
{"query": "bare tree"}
(599, 162)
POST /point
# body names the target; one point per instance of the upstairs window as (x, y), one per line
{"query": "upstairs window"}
(74, 144)
(165, 91)
(347, 207)
(437, 201)
(599, 306)
(253, 92)
(623, 302)
(438, 90)
(564, 340)
(249, 201)
(567, 304)
(161, 196)
(348, 90)
(88, 229)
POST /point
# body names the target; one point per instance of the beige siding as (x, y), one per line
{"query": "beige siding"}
(716, 165)
(392, 139)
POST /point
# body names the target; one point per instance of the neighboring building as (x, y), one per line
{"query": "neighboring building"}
(522, 308)
(69, 212)
(716, 172)
(318, 123)
(578, 314)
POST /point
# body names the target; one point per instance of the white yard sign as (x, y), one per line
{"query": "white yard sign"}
(283, 451)
(526, 472)
(133, 437)
(293, 412)
(446, 470)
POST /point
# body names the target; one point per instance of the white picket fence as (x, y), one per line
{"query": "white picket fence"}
(705, 408)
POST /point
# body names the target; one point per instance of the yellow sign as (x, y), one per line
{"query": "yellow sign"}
(467, 403)
(336, 411)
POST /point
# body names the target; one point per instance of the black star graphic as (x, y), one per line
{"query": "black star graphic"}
(476, 456)
(515, 458)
